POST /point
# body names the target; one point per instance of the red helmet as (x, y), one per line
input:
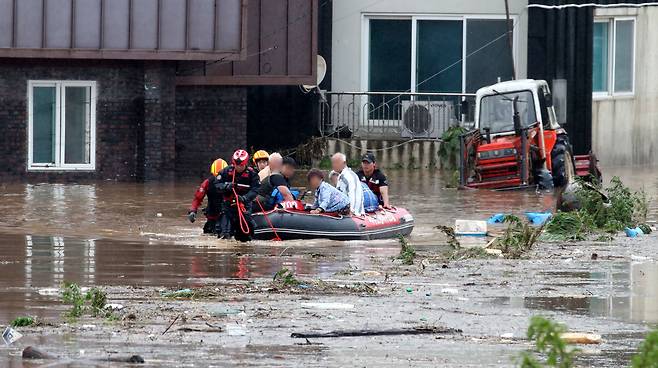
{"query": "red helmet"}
(240, 157)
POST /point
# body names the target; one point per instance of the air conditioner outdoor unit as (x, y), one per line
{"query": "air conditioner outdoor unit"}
(426, 119)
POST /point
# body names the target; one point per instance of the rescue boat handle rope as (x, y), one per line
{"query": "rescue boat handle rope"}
(243, 220)
(276, 236)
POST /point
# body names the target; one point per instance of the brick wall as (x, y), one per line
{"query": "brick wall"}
(118, 115)
(159, 125)
(215, 124)
(146, 128)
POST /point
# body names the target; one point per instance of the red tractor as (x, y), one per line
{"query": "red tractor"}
(517, 141)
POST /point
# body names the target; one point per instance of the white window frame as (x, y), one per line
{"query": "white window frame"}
(612, 60)
(60, 118)
(365, 41)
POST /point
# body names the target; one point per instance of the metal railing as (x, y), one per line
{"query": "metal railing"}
(393, 115)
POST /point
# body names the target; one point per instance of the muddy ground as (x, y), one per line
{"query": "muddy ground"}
(111, 236)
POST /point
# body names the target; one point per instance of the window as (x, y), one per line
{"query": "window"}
(497, 111)
(62, 125)
(613, 62)
(427, 54)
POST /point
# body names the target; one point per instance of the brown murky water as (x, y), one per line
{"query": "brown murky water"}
(137, 234)
(131, 234)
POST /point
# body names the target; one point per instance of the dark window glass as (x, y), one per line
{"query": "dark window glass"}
(488, 53)
(389, 66)
(43, 124)
(390, 55)
(600, 57)
(438, 55)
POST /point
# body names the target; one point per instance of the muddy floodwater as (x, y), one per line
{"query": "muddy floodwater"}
(134, 241)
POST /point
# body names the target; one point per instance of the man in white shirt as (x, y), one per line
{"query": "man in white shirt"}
(348, 183)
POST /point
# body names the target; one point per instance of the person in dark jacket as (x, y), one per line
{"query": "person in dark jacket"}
(207, 189)
(276, 187)
(238, 185)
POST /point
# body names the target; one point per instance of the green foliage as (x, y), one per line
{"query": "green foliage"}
(647, 357)
(96, 298)
(575, 225)
(626, 208)
(546, 334)
(354, 163)
(452, 180)
(72, 295)
(22, 322)
(623, 208)
(450, 233)
(286, 277)
(449, 149)
(325, 163)
(407, 252)
(518, 238)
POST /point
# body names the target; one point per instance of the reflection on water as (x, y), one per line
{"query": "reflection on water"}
(109, 233)
(631, 294)
(34, 267)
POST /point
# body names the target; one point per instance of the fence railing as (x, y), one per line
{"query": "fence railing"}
(393, 115)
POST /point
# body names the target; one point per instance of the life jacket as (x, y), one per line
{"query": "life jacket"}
(270, 194)
(242, 181)
(266, 187)
(214, 198)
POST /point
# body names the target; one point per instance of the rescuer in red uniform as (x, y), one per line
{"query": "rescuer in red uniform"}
(208, 189)
(238, 185)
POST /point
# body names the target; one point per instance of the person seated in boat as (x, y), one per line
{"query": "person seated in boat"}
(238, 184)
(348, 183)
(276, 187)
(374, 178)
(327, 198)
(370, 200)
(207, 189)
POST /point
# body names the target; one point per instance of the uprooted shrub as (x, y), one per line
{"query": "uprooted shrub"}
(518, 238)
(285, 277)
(93, 302)
(612, 212)
(575, 225)
(449, 148)
(407, 251)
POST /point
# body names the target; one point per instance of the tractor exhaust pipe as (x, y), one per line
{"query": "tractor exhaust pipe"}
(524, 153)
(516, 118)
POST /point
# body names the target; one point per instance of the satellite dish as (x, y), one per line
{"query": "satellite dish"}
(322, 71)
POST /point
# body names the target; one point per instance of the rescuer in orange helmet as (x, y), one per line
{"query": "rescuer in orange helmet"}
(208, 189)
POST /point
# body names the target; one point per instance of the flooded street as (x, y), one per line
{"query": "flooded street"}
(135, 242)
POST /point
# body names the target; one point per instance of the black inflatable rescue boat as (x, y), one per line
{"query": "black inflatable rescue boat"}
(291, 221)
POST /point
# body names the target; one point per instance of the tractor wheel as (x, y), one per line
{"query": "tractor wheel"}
(561, 161)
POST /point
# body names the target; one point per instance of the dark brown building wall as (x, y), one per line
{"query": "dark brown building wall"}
(281, 48)
(146, 127)
(119, 114)
(211, 123)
